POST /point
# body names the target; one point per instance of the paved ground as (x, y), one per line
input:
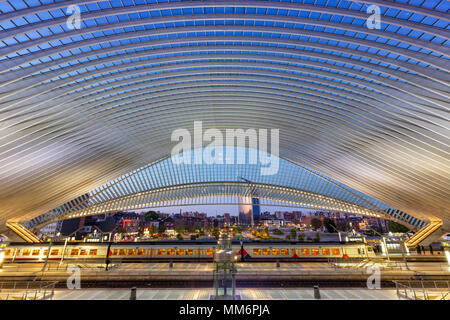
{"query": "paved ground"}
(246, 294)
(304, 268)
(186, 269)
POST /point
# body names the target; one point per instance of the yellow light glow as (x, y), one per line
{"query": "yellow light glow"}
(447, 255)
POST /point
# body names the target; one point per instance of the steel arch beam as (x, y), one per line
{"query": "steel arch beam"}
(395, 135)
(166, 196)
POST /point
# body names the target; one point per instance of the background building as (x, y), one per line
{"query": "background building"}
(245, 211)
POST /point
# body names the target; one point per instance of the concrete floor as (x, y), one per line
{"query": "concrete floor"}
(246, 294)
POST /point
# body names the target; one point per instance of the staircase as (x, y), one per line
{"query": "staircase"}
(423, 233)
(23, 232)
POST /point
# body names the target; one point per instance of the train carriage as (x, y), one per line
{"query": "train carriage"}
(40, 252)
(304, 251)
(182, 251)
(161, 252)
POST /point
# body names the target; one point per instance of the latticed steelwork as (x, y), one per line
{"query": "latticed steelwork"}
(81, 107)
(165, 184)
(223, 193)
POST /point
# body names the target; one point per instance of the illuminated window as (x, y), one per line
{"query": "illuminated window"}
(161, 252)
(276, 252)
(115, 252)
(7, 252)
(131, 252)
(209, 252)
(54, 252)
(93, 252)
(199, 252)
(36, 252)
(257, 252)
(326, 252)
(26, 252)
(305, 252)
(336, 251)
(83, 252)
(285, 252)
(170, 252)
(150, 252)
(189, 252)
(45, 252)
(315, 252)
(141, 252)
(180, 252)
(122, 252)
(266, 252)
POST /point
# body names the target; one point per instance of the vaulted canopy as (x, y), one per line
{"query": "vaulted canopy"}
(80, 107)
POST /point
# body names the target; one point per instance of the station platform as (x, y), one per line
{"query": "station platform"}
(200, 274)
(245, 294)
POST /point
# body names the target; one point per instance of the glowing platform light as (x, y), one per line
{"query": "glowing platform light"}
(2, 256)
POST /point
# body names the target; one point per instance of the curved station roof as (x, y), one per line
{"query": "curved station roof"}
(167, 183)
(363, 104)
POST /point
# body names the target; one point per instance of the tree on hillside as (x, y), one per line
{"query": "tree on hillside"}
(397, 227)
(330, 225)
(180, 229)
(293, 234)
(301, 236)
(316, 223)
(278, 232)
(215, 233)
(151, 214)
(317, 238)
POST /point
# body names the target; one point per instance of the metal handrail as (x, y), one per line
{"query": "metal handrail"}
(43, 290)
(424, 286)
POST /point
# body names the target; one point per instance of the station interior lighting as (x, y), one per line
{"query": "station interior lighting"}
(447, 255)
(2, 256)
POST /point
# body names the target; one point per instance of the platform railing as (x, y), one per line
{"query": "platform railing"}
(27, 290)
(423, 290)
(357, 263)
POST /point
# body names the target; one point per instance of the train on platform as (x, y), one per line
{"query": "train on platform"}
(159, 251)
